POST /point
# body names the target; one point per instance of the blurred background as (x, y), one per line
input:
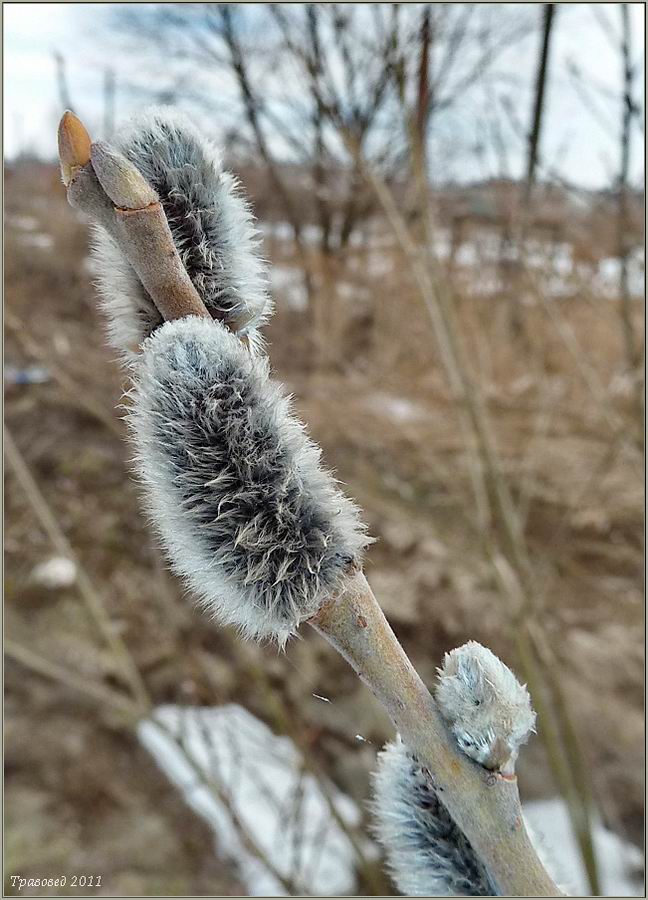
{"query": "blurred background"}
(451, 200)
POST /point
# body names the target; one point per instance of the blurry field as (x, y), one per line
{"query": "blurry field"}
(361, 360)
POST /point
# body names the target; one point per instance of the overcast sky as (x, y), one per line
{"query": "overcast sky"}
(584, 147)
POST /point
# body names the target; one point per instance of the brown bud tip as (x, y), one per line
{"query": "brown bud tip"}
(120, 179)
(73, 145)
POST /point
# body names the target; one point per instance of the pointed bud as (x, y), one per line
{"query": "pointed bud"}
(120, 179)
(73, 145)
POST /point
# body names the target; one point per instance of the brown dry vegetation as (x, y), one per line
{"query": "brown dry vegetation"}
(363, 366)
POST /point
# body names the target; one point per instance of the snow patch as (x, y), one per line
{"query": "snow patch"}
(288, 284)
(400, 409)
(54, 573)
(259, 775)
(231, 759)
(23, 223)
(38, 240)
(551, 831)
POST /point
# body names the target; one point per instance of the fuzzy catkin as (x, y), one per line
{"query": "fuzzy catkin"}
(487, 709)
(427, 854)
(233, 484)
(211, 225)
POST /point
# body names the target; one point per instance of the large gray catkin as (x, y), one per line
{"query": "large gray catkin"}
(211, 224)
(233, 485)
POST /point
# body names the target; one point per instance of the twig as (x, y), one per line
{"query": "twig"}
(627, 109)
(251, 109)
(133, 714)
(213, 785)
(283, 722)
(548, 10)
(52, 670)
(523, 224)
(61, 80)
(506, 520)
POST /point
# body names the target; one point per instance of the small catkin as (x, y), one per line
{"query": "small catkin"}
(235, 488)
(487, 709)
(211, 225)
(427, 854)
(489, 713)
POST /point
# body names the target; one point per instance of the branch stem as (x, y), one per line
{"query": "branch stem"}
(144, 237)
(485, 806)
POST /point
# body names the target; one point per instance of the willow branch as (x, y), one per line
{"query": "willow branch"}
(486, 806)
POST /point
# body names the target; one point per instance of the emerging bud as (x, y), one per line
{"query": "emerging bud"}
(73, 145)
(120, 179)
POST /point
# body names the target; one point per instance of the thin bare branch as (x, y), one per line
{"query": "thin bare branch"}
(90, 594)
(30, 659)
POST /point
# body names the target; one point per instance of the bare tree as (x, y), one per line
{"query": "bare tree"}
(535, 131)
(62, 81)
(538, 102)
(628, 111)
(109, 102)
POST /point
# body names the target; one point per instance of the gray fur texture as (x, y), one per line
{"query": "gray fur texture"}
(427, 854)
(485, 706)
(233, 484)
(211, 224)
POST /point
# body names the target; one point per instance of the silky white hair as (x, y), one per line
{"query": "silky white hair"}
(233, 485)
(211, 225)
(427, 854)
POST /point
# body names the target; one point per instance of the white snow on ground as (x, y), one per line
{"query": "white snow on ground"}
(549, 824)
(351, 293)
(285, 813)
(283, 231)
(282, 809)
(399, 409)
(280, 231)
(378, 263)
(41, 241)
(288, 284)
(477, 253)
(609, 273)
(28, 235)
(23, 223)
(54, 573)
